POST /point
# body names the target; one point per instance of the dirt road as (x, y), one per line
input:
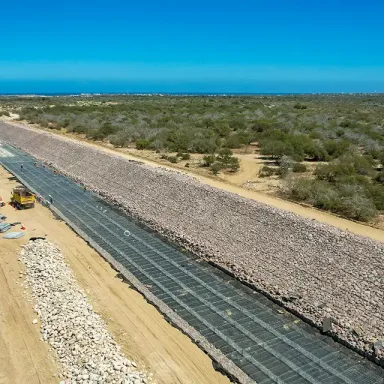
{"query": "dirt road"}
(304, 211)
(137, 326)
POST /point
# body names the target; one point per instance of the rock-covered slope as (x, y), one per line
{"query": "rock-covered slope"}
(312, 268)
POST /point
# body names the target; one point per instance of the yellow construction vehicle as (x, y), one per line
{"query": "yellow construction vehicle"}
(22, 198)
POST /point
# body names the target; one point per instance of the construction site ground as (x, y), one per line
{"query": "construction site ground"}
(143, 333)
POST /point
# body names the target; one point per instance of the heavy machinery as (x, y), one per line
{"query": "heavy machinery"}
(22, 198)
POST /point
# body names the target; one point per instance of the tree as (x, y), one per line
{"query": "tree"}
(208, 160)
(276, 149)
(216, 168)
(224, 156)
(234, 165)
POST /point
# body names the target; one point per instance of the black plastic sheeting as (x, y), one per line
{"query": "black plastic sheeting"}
(268, 344)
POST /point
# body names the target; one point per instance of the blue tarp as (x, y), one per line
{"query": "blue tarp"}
(4, 227)
(13, 235)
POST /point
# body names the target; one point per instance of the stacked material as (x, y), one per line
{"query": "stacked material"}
(77, 335)
(314, 269)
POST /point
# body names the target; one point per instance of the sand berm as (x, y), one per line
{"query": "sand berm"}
(310, 267)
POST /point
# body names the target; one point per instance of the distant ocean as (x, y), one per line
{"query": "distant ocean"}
(142, 93)
(212, 94)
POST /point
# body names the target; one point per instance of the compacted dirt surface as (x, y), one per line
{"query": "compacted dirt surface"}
(143, 334)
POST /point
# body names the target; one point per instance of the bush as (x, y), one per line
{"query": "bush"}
(143, 144)
(224, 156)
(285, 165)
(299, 168)
(336, 148)
(202, 145)
(380, 177)
(234, 164)
(300, 189)
(226, 160)
(346, 166)
(345, 124)
(79, 129)
(117, 141)
(376, 194)
(208, 160)
(263, 125)
(342, 199)
(266, 171)
(300, 106)
(184, 156)
(276, 149)
(358, 207)
(186, 165)
(106, 130)
(216, 168)
(178, 140)
(172, 159)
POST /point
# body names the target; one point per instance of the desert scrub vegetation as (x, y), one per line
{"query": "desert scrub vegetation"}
(351, 186)
(323, 130)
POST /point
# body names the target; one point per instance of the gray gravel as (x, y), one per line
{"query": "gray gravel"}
(77, 335)
(312, 268)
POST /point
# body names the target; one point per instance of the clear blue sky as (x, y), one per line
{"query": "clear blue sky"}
(195, 46)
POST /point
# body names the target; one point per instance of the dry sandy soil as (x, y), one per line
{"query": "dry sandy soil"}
(137, 326)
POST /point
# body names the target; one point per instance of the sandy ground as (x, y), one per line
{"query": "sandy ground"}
(137, 326)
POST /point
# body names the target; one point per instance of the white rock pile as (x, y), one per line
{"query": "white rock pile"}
(77, 335)
(312, 268)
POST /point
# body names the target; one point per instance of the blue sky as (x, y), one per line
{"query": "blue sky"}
(192, 46)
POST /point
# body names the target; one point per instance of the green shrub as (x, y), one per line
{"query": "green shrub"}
(346, 166)
(345, 200)
(299, 168)
(79, 129)
(380, 177)
(358, 207)
(300, 106)
(117, 141)
(178, 140)
(202, 145)
(234, 164)
(224, 156)
(172, 159)
(266, 171)
(216, 168)
(301, 190)
(285, 165)
(336, 148)
(376, 194)
(106, 130)
(263, 125)
(276, 149)
(185, 156)
(345, 124)
(143, 144)
(208, 160)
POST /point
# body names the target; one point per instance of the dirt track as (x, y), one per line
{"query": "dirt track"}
(136, 325)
